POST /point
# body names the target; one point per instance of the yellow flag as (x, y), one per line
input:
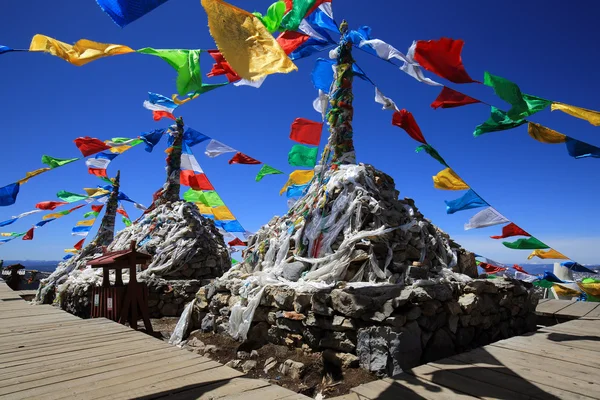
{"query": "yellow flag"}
(6, 234)
(550, 254)
(54, 215)
(73, 251)
(95, 192)
(565, 291)
(591, 116)
(86, 222)
(120, 149)
(448, 180)
(244, 41)
(222, 213)
(83, 52)
(204, 209)
(298, 177)
(545, 135)
(31, 174)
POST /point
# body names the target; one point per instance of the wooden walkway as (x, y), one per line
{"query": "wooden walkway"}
(568, 309)
(46, 353)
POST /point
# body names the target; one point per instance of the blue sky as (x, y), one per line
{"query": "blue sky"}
(546, 48)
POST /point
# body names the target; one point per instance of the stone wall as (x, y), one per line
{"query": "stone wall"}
(384, 328)
(168, 297)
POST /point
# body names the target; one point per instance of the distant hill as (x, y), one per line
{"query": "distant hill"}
(39, 265)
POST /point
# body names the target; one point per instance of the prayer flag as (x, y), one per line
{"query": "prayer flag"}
(303, 156)
(511, 230)
(204, 210)
(236, 242)
(468, 201)
(274, 15)
(520, 269)
(45, 221)
(56, 162)
(86, 222)
(526, 244)
(411, 67)
(386, 102)
(545, 135)
(152, 138)
(578, 149)
(240, 158)
(208, 198)
(197, 181)
(192, 137)
(50, 205)
(306, 131)
(550, 254)
(382, 49)
(8, 222)
(486, 217)
(79, 244)
(296, 10)
(216, 148)
(29, 234)
(491, 269)
(523, 105)
(449, 98)
(244, 41)
(298, 177)
(442, 57)
(295, 190)
(322, 74)
(292, 40)
(83, 52)
(498, 121)
(432, 152)
(320, 104)
(159, 100)
(6, 49)
(222, 213)
(233, 226)
(266, 170)
(8, 194)
(89, 146)
(405, 120)
(222, 67)
(158, 115)
(70, 197)
(31, 174)
(576, 267)
(80, 230)
(67, 257)
(447, 179)
(591, 116)
(124, 12)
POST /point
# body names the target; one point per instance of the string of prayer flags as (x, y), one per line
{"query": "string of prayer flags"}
(550, 254)
(450, 98)
(593, 117)
(498, 121)
(432, 152)
(303, 156)
(120, 145)
(215, 148)
(486, 217)
(511, 230)
(381, 49)
(152, 138)
(274, 16)
(97, 165)
(545, 135)
(447, 179)
(298, 177)
(386, 102)
(244, 41)
(578, 149)
(29, 234)
(299, 45)
(530, 243)
(53, 162)
(124, 12)
(443, 58)
(31, 174)
(16, 217)
(523, 105)
(45, 221)
(241, 158)
(267, 170)
(8, 194)
(89, 146)
(81, 53)
(191, 173)
(236, 242)
(405, 120)
(126, 220)
(468, 201)
(83, 227)
(306, 131)
(222, 213)
(192, 137)
(520, 269)
(412, 68)
(53, 216)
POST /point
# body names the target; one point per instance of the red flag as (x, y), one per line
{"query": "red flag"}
(122, 212)
(195, 181)
(442, 57)
(511, 230)
(76, 208)
(291, 40)
(79, 244)
(98, 172)
(241, 158)
(405, 120)
(520, 269)
(158, 115)
(491, 269)
(97, 208)
(50, 205)
(29, 235)
(449, 98)
(236, 242)
(222, 67)
(89, 146)
(306, 131)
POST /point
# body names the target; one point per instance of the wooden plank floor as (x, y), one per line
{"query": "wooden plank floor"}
(557, 362)
(568, 309)
(46, 353)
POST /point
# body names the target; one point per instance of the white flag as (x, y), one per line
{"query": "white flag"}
(27, 213)
(388, 104)
(189, 163)
(320, 103)
(255, 84)
(157, 107)
(484, 218)
(98, 163)
(525, 277)
(216, 148)
(383, 49)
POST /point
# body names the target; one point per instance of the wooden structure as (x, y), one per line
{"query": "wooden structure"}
(564, 310)
(119, 302)
(46, 353)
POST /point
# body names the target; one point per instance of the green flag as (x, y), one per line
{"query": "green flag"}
(126, 221)
(70, 197)
(526, 244)
(291, 20)
(498, 121)
(303, 156)
(523, 105)
(176, 58)
(272, 20)
(212, 199)
(234, 261)
(134, 142)
(432, 152)
(209, 198)
(266, 170)
(57, 162)
(91, 213)
(543, 283)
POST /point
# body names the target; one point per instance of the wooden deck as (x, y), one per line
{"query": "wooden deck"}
(46, 353)
(568, 309)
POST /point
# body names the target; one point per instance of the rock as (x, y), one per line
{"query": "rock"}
(243, 355)
(341, 341)
(302, 302)
(320, 303)
(210, 349)
(453, 323)
(233, 363)
(195, 342)
(477, 286)
(340, 323)
(293, 315)
(395, 320)
(386, 351)
(350, 304)
(344, 360)
(452, 308)
(208, 323)
(414, 295)
(293, 271)
(289, 325)
(440, 346)
(440, 292)
(465, 336)
(248, 366)
(270, 363)
(429, 308)
(415, 273)
(291, 368)
(468, 302)
(169, 310)
(413, 313)
(283, 298)
(433, 323)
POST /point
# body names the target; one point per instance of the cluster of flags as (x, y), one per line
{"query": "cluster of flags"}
(307, 134)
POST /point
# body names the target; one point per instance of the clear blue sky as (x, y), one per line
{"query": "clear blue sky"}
(548, 48)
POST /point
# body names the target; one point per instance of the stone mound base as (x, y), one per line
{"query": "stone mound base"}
(385, 328)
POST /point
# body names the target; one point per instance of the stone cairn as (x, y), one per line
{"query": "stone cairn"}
(356, 273)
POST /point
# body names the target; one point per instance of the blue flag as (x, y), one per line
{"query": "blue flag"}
(467, 201)
(124, 12)
(8, 194)
(579, 149)
(151, 139)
